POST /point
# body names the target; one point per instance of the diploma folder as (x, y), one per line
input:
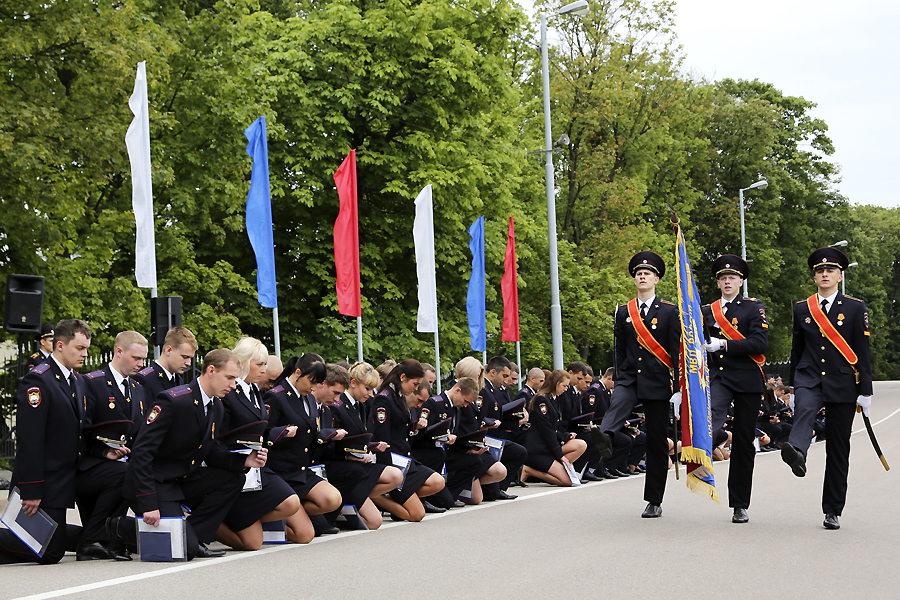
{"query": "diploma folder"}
(35, 531)
(274, 532)
(166, 543)
(402, 463)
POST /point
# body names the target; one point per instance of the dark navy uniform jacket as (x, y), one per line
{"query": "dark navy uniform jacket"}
(595, 399)
(493, 400)
(733, 367)
(241, 410)
(545, 436)
(172, 443)
(291, 457)
(637, 366)
(815, 360)
(36, 359)
(106, 403)
(391, 423)
(527, 393)
(154, 380)
(49, 447)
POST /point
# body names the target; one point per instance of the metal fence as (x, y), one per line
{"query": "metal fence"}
(12, 371)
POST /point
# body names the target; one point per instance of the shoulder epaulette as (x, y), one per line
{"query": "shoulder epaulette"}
(338, 403)
(146, 372)
(385, 392)
(278, 389)
(35, 355)
(667, 302)
(852, 298)
(752, 299)
(40, 368)
(94, 374)
(801, 302)
(181, 390)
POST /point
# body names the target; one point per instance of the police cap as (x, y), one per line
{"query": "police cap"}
(647, 260)
(827, 258)
(729, 264)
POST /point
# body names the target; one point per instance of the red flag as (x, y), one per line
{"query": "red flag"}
(510, 288)
(346, 239)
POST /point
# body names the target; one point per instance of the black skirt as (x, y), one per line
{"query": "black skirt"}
(250, 507)
(415, 478)
(539, 462)
(302, 483)
(354, 480)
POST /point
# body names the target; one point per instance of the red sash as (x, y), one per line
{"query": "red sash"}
(832, 334)
(731, 331)
(644, 337)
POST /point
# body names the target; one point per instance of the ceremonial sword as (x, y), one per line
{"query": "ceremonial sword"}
(872, 438)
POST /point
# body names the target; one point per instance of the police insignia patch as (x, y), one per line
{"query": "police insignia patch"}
(543, 409)
(478, 402)
(381, 415)
(591, 400)
(34, 397)
(425, 413)
(154, 413)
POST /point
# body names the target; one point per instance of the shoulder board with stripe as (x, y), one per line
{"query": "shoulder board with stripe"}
(385, 392)
(852, 298)
(146, 372)
(179, 391)
(337, 403)
(800, 302)
(35, 355)
(438, 399)
(40, 368)
(752, 299)
(666, 302)
(94, 374)
(278, 389)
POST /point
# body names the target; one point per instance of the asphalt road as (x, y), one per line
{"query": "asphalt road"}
(587, 541)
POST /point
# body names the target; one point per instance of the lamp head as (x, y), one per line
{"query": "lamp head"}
(839, 244)
(563, 141)
(761, 185)
(578, 9)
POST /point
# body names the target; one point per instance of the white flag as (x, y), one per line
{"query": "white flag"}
(423, 236)
(138, 142)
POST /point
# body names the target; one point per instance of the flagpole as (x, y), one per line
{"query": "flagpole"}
(519, 362)
(437, 360)
(155, 347)
(277, 335)
(359, 345)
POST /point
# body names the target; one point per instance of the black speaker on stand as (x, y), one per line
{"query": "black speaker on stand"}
(165, 313)
(23, 311)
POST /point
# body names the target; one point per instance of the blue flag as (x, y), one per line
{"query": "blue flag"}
(696, 420)
(259, 214)
(475, 297)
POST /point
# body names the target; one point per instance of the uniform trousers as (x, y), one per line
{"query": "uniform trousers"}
(99, 496)
(208, 493)
(743, 432)
(838, 424)
(13, 550)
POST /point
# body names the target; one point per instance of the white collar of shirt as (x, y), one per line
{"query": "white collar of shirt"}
(120, 379)
(207, 400)
(244, 386)
(350, 398)
(829, 300)
(44, 354)
(530, 388)
(648, 303)
(64, 370)
(488, 383)
(291, 385)
(171, 376)
(724, 301)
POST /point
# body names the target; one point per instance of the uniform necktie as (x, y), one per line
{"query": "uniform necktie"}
(71, 381)
(125, 386)
(825, 306)
(359, 408)
(643, 311)
(727, 307)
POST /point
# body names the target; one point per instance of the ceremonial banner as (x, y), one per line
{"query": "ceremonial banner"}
(423, 238)
(137, 140)
(696, 420)
(510, 288)
(259, 214)
(475, 297)
(346, 239)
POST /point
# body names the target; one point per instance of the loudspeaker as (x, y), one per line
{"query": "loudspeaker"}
(24, 306)
(165, 313)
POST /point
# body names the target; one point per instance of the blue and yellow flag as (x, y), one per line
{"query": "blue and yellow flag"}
(696, 420)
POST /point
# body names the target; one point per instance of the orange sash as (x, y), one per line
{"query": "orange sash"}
(731, 331)
(832, 334)
(644, 337)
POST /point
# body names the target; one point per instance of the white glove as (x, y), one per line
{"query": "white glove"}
(676, 404)
(865, 402)
(714, 345)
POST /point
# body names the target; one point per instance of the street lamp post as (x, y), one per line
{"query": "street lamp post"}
(578, 8)
(844, 278)
(762, 184)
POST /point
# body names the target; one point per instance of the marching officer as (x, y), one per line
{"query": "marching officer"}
(829, 368)
(648, 335)
(49, 415)
(738, 335)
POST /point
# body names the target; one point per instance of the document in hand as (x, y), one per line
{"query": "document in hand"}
(34, 531)
(351, 513)
(402, 463)
(573, 474)
(166, 543)
(495, 446)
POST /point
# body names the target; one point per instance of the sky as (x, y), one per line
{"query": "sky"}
(843, 56)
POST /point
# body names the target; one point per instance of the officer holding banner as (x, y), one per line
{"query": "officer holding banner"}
(738, 334)
(648, 335)
(829, 367)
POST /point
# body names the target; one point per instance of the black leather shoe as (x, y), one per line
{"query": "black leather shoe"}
(794, 458)
(504, 496)
(116, 543)
(431, 508)
(740, 516)
(459, 504)
(588, 476)
(653, 511)
(93, 551)
(602, 442)
(607, 474)
(622, 473)
(518, 483)
(331, 530)
(831, 521)
(204, 552)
